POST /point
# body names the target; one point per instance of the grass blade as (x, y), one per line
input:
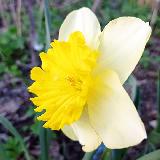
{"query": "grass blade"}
(158, 101)
(8, 125)
(47, 23)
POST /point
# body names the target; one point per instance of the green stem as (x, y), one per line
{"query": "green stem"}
(44, 143)
(107, 154)
(88, 156)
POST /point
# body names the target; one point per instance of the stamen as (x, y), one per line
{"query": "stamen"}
(74, 82)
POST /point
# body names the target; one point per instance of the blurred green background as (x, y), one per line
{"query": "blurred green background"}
(24, 33)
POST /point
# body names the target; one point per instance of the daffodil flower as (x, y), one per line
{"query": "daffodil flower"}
(79, 85)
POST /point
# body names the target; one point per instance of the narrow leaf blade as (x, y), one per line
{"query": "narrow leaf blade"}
(8, 125)
(151, 156)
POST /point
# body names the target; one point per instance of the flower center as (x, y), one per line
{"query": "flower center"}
(76, 83)
(63, 83)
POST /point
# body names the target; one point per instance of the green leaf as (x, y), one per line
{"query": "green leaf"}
(131, 87)
(151, 156)
(13, 148)
(88, 156)
(35, 128)
(2, 67)
(3, 155)
(8, 125)
(154, 137)
(118, 154)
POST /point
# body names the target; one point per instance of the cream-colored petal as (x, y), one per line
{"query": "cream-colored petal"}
(122, 43)
(86, 135)
(83, 20)
(68, 131)
(113, 114)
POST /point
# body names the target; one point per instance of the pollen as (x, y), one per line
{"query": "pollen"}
(63, 81)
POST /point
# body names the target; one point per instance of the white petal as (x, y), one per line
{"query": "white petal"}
(122, 43)
(86, 134)
(113, 115)
(83, 20)
(68, 131)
